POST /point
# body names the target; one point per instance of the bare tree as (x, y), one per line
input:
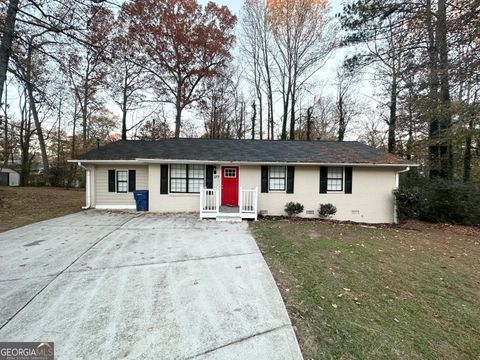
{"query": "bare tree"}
(8, 30)
(87, 66)
(304, 39)
(126, 78)
(346, 105)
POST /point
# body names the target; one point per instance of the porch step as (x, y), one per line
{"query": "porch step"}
(226, 217)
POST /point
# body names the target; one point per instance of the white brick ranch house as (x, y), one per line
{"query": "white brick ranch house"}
(244, 178)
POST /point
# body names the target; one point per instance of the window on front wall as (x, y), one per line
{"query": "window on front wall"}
(122, 181)
(335, 179)
(276, 178)
(186, 178)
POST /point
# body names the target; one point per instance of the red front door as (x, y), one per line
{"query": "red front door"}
(230, 186)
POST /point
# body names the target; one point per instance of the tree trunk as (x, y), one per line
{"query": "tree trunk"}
(292, 113)
(33, 109)
(260, 115)
(84, 109)
(410, 131)
(341, 118)
(6, 44)
(392, 123)
(178, 121)
(178, 106)
(467, 157)
(124, 110)
(38, 126)
(284, 120)
(240, 128)
(440, 149)
(254, 118)
(309, 123)
(445, 115)
(434, 125)
(59, 130)
(286, 102)
(6, 144)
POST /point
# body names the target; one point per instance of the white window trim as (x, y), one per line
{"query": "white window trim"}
(285, 178)
(116, 181)
(343, 182)
(176, 193)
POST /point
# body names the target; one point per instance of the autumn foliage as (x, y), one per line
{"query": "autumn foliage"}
(184, 44)
(284, 12)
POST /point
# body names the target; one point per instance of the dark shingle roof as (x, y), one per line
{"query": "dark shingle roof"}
(348, 152)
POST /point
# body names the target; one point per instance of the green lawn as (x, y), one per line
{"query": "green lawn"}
(356, 292)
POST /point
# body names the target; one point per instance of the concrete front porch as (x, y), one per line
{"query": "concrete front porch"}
(211, 206)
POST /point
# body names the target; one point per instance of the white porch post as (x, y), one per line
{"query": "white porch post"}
(255, 203)
(240, 199)
(202, 192)
(217, 200)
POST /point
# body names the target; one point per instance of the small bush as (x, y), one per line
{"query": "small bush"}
(327, 210)
(293, 208)
(409, 204)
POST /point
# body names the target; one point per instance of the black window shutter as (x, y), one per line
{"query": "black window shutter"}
(209, 177)
(348, 180)
(323, 179)
(111, 180)
(264, 188)
(164, 179)
(132, 180)
(290, 179)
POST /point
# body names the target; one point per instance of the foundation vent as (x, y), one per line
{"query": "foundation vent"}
(310, 212)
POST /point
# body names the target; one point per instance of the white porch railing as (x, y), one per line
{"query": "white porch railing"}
(248, 201)
(209, 203)
(247, 204)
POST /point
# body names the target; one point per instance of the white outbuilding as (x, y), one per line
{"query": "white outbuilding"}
(9, 177)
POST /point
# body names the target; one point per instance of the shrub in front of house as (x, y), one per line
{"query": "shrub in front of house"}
(327, 210)
(293, 208)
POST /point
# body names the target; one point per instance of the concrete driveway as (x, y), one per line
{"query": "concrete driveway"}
(114, 285)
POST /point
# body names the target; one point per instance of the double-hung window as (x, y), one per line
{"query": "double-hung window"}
(335, 179)
(276, 178)
(186, 178)
(122, 181)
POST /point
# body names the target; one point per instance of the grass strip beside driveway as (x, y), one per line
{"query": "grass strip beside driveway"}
(361, 292)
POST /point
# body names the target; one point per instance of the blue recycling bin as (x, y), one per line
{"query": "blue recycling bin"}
(141, 199)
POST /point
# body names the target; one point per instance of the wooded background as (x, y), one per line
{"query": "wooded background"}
(78, 73)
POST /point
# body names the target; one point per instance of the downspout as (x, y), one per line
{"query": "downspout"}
(397, 185)
(87, 187)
